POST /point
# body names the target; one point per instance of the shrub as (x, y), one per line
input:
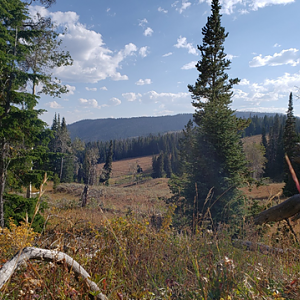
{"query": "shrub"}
(19, 209)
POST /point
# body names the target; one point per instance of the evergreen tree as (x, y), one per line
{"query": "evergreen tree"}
(219, 161)
(290, 140)
(106, 172)
(20, 126)
(167, 165)
(274, 151)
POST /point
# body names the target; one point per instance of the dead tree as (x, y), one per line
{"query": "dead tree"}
(282, 211)
(84, 195)
(47, 255)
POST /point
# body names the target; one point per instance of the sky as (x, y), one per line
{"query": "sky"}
(136, 57)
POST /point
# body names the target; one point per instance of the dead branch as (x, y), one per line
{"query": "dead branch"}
(282, 211)
(47, 255)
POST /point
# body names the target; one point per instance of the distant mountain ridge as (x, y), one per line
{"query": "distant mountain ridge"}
(116, 129)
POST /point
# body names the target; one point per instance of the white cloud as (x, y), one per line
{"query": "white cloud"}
(143, 82)
(190, 65)
(230, 6)
(166, 98)
(148, 31)
(53, 104)
(183, 6)
(244, 82)
(89, 103)
(91, 89)
(270, 90)
(115, 101)
(103, 88)
(243, 11)
(131, 96)
(276, 45)
(290, 56)
(143, 22)
(93, 61)
(182, 43)
(71, 89)
(256, 4)
(167, 54)
(162, 10)
(144, 51)
(230, 56)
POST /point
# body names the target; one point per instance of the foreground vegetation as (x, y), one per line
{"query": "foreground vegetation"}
(133, 255)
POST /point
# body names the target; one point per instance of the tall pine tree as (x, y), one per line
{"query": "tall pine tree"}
(290, 140)
(219, 161)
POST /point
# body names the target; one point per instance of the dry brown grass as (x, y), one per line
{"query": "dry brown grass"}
(129, 166)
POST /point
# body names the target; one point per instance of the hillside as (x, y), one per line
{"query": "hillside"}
(116, 129)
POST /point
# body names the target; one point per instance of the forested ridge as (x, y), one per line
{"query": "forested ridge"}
(122, 128)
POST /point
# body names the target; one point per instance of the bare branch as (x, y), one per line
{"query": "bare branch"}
(47, 255)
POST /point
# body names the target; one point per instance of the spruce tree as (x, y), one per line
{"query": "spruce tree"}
(107, 168)
(290, 140)
(219, 161)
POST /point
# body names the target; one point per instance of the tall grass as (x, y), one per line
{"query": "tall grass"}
(130, 260)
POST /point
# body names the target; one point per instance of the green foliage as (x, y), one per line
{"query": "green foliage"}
(28, 51)
(291, 148)
(275, 151)
(106, 172)
(212, 155)
(18, 208)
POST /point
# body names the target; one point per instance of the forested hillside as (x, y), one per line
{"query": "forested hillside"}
(119, 129)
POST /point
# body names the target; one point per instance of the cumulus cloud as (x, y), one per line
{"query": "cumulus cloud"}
(276, 45)
(270, 90)
(53, 104)
(244, 82)
(243, 6)
(148, 31)
(143, 22)
(89, 103)
(182, 6)
(71, 89)
(182, 43)
(114, 101)
(167, 54)
(93, 61)
(103, 88)
(144, 51)
(159, 98)
(162, 10)
(190, 65)
(91, 89)
(166, 98)
(285, 57)
(132, 96)
(230, 56)
(143, 81)
(256, 4)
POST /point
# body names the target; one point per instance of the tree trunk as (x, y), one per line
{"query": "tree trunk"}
(84, 196)
(282, 211)
(47, 255)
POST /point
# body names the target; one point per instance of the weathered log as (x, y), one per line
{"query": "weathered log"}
(282, 211)
(47, 255)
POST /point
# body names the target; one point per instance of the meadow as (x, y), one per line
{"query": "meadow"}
(125, 240)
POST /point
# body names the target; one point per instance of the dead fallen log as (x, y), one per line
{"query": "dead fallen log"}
(282, 211)
(47, 255)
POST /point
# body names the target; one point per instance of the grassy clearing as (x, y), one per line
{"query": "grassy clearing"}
(115, 240)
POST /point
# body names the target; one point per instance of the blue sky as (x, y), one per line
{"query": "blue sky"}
(135, 58)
